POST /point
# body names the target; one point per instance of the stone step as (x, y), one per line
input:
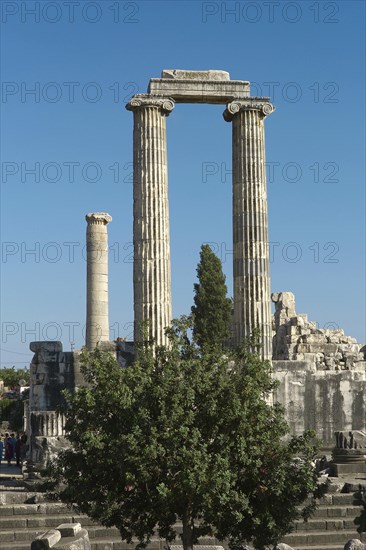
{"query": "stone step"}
(43, 520)
(33, 509)
(331, 499)
(321, 547)
(111, 544)
(29, 533)
(103, 544)
(21, 521)
(334, 524)
(301, 539)
(18, 497)
(342, 498)
(336, 511)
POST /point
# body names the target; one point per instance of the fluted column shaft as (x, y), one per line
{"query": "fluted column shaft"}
(151, 235)
(252, 304)
(97, 320)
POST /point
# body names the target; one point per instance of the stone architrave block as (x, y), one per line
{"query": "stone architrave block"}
(199, 91)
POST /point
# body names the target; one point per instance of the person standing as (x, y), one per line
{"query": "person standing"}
(1, 449)
(13, 441)
(9, 453)
(18, 444)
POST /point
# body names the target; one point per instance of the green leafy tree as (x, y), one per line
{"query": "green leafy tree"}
(184, 434)
(11, 376)
(212, 309)
(12, 411)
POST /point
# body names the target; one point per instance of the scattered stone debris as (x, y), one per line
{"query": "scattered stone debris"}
(354, 544)
(296, 338)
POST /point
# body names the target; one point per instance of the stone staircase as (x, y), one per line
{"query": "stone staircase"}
(25, 515)
(331, 526)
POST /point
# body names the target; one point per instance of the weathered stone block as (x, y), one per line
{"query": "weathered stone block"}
(67, 536)
(199, 87)
(179, 74)
(360, 365)
(359, 468)
(47, 540)
(69, 529)
(51, 347)
(354, 544)
(325, 348)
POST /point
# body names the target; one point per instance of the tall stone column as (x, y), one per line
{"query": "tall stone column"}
(252, 300)
(97, 321)
(151, 236)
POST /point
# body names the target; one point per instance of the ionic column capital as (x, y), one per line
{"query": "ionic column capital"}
(98, 218)
(260, 104)
(141, 101)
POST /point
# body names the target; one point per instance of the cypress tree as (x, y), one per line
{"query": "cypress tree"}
(212, 309)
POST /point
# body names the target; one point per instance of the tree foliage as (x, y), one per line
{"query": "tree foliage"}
(212, 308)
(12, 411)
(11, 376)
(185, 434)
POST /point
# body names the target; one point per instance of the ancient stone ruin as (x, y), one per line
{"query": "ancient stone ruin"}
(322, 372)
(97, 320)
(152, 288)
(298, 339)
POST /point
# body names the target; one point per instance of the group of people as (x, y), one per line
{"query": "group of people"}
(13, 447)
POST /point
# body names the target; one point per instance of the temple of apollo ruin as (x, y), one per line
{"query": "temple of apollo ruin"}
(322, 372)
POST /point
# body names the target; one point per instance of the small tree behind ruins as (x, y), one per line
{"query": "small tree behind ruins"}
(184, 434)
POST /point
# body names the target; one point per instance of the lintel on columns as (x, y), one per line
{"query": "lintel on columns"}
(185, 86)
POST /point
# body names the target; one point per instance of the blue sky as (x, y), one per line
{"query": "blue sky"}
(83, 60)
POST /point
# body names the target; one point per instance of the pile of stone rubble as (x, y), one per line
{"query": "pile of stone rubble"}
(297, 338)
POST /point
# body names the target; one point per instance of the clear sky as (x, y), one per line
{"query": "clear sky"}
(68, 68)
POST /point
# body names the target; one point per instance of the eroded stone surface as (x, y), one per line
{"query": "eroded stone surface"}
(321, 372)
(67, 536)
(69, 529)
(354, 544)
(179, 74)
(198, 86)
(47, 540)
(46, 346)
